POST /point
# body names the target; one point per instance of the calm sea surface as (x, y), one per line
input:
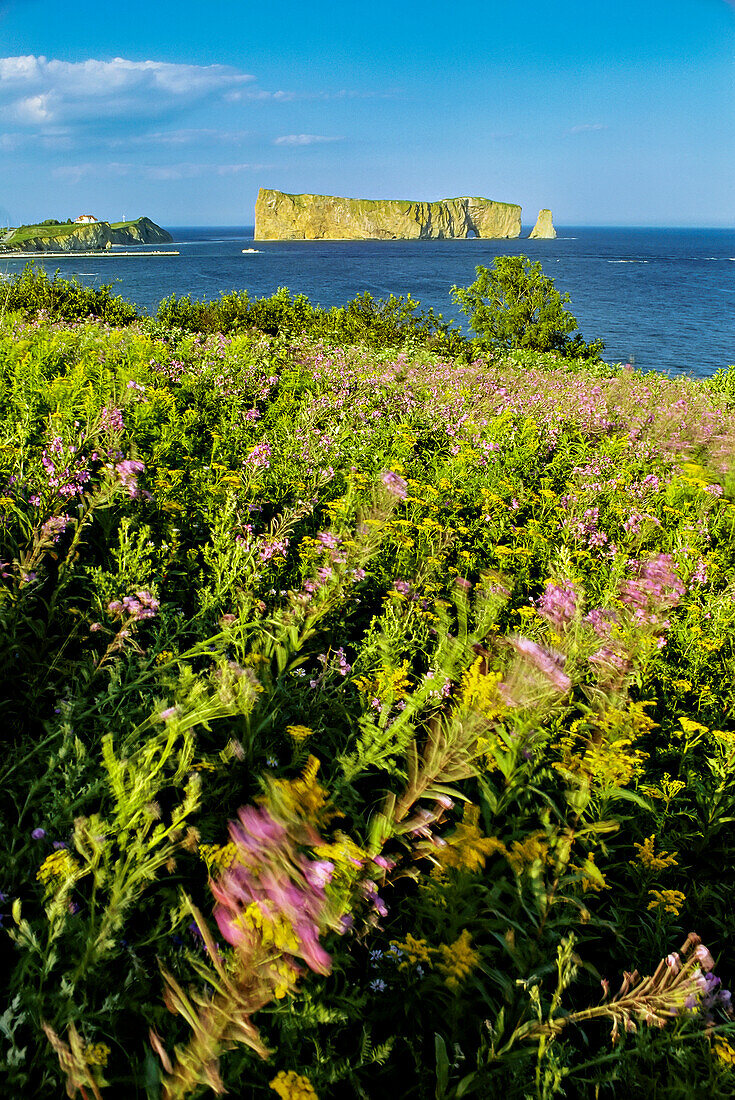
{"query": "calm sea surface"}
(663, 298)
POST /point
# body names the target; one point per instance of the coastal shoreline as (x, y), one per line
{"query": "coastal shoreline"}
(94, 253)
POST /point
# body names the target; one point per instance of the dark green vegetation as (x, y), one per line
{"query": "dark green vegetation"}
(448, 638)
(514, 305)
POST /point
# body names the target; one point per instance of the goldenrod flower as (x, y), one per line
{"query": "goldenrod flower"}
(292, 1086)
(671, 901)
(650, 860)
(96, 1054)
(457, 960)
(467, 849)
(413, 951)
(299, 733)
(217, 856)
(725, 1051)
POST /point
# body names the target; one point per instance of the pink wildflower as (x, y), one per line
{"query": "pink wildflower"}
(128, 471)
(395, 484)
(548, 661)
(558, 604)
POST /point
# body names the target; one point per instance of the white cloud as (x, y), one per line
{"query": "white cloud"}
(37, 91)
(305, 139)
(587, 128)
(194, 136)
(74, 173)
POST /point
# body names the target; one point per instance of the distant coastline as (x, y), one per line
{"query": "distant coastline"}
(86, 234)
(94, 253)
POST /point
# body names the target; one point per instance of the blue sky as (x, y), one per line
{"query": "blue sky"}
(618, 113)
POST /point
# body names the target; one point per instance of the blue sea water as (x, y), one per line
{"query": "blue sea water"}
(661, 298)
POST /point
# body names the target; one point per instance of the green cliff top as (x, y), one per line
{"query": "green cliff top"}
(377, 203)
(63, 229)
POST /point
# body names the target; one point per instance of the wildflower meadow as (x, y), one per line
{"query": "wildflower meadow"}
(368, 711)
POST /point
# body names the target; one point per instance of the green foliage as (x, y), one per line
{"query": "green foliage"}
(365, 320)
(514, 305)
(32, 291)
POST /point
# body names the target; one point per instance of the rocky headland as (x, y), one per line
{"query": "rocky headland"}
(89, 237)
(283, 217)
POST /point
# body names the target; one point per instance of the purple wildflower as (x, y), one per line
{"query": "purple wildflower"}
(127, 471)
(654, 586)
(112, 419)
(558, 604)
(259, 456)
(271, 873)
(54, 527)
(548, 661)
(395, 484)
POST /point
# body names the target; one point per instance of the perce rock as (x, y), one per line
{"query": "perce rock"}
(543, 229)
(283, 217)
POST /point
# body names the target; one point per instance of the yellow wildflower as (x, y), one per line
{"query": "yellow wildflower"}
(299, 733)
(688, 726)
(524, 853)
(59, 869)
(592, 877)
(386, 684)
(341, 851)
(292, 1086)
(286, 975)
(671, 901)
(304, 797)
(667, 789)
(480, 690)
(55, 865)
(275, 932)
(96, 1054)
(724, 1051)
(467, 849)
(650, 860)
(457, 960)
(217, 857)
(414, 952)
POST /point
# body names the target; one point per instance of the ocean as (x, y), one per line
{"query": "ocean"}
(663, 299)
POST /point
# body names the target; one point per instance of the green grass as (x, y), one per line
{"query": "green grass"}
(26, 232)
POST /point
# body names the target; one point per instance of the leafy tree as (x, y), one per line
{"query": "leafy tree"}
(514, 305)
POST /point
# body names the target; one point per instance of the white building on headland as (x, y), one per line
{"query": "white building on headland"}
(83, 219)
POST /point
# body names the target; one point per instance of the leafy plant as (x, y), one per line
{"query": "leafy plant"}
(514, 305)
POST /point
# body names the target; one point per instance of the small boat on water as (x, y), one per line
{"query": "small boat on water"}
(245, 250)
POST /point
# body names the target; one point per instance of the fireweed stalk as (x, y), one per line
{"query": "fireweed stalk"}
(272, 906)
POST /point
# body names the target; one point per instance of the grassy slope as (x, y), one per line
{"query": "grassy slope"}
(27, 232)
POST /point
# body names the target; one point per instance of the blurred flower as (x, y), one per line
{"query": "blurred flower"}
(395, 485)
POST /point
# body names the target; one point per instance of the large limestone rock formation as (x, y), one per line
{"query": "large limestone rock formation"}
(543, 229)
(283, 217)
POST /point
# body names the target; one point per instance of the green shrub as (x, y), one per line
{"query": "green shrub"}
(514, 305)
(365, 320)
(31, 292)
